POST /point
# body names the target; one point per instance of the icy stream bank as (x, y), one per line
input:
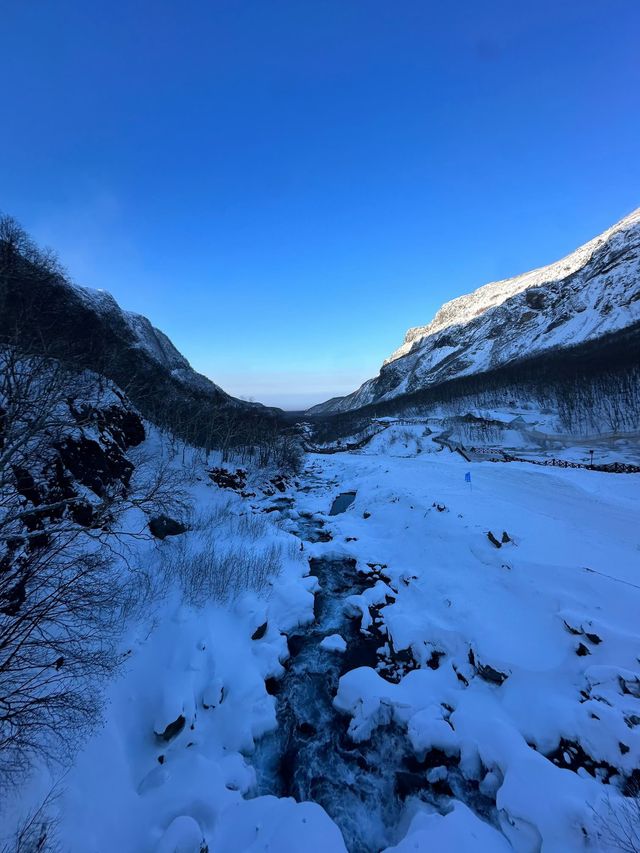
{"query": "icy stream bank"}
(342, 503)
(363, 786)
(447, 713)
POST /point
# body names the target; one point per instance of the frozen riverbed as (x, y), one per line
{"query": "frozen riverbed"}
(363, 786)
(500, 673)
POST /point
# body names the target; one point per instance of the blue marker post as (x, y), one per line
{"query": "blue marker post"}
(467, 479)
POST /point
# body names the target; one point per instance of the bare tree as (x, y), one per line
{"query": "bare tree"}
(71, 499)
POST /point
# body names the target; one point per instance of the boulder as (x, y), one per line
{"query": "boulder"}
(162, 526)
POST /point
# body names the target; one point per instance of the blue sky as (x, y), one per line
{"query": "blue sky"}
(286, 186)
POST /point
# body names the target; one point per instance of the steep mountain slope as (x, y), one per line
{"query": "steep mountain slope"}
(41, 311)
(142, 338)
(594, 291)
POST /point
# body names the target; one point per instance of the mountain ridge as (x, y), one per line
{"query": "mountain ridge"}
(41, 311)
(149, 338)
(592, 291)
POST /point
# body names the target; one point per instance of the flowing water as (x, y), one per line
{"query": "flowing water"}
(342, 502)
(310, 756)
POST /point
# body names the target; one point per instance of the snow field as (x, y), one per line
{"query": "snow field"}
(525, 661)
(554, 611)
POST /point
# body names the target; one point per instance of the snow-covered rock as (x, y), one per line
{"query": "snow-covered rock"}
(183, 835)
(459, 830)
(334, 643)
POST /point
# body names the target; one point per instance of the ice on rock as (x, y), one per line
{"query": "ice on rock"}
(429, 730)
(437, 774)
(490, 784)
(334, 643)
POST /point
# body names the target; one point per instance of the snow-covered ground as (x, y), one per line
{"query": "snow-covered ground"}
(519, 650)
(504, 704)
(527, 433)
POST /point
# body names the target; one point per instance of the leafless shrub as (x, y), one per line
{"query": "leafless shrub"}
(217, 572)
(225, 523)
(226, 554)
(37, 831)
(20, 254)
(618, 823)
(406, 436)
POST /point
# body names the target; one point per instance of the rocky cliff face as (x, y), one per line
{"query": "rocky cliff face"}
(593, 292)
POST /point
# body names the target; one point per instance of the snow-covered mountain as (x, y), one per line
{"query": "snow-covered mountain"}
(594, 291)
(139, 334)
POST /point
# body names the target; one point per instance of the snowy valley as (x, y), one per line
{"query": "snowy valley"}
(225, 629)
(443, 665)
(320, 427)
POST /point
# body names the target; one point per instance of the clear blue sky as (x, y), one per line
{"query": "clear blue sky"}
(285, 186)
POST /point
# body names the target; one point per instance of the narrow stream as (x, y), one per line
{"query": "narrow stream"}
(342, 503)
(310, 756)
(362, 786)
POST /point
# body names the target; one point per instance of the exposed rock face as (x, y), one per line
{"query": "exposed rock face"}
(78, 457)
(593, 292)
(92, 455)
